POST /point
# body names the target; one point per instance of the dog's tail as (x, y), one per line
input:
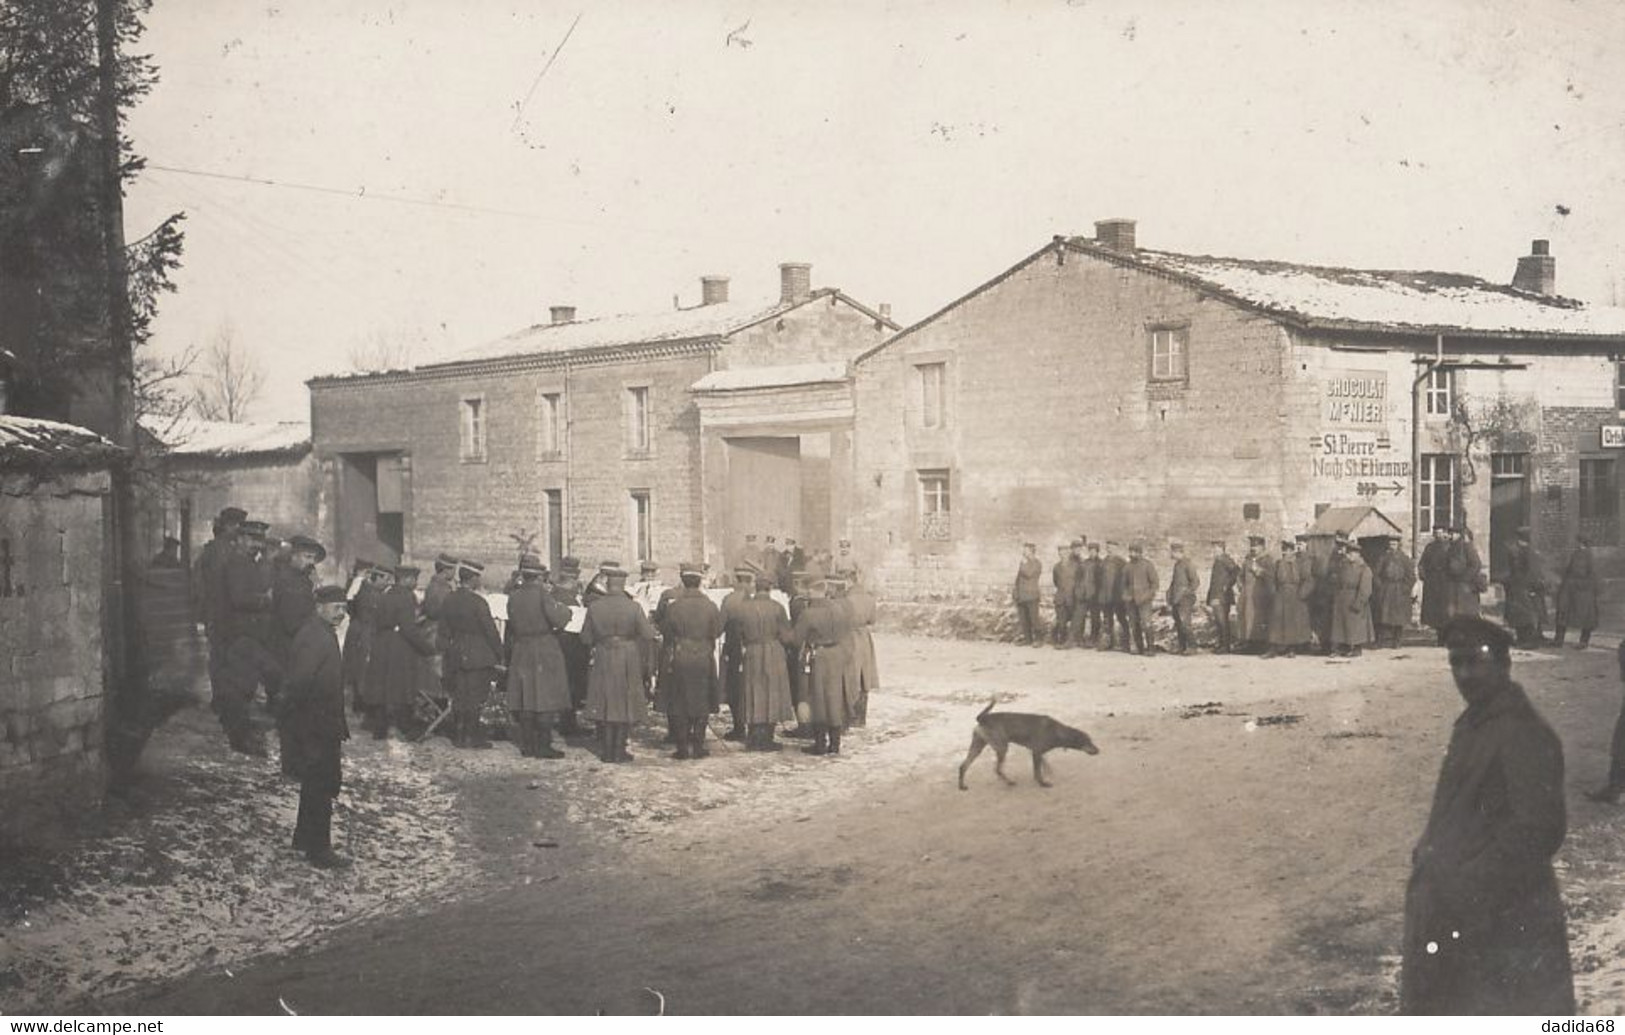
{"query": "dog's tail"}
(983, 713)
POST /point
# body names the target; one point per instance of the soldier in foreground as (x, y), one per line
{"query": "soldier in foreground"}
(1431, 569)
(1292, 585)
(1484, 925)
(538, 683)
(246, 620)
(566, 589)
(690, 692)
(1393, 580)
(475, 650)
(764, 629)
(208, 587)
(1139, 597)
(1182, 588)
(1221, 595)
(616, 631)
(314, 699)
(862, 610)
(821, 634)
(1064, 574)
(733, 683)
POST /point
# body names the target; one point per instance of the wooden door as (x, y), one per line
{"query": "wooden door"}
(764, 492)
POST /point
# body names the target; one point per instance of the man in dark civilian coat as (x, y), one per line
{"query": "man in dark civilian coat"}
(313, 694)
(293, 601)
(245, 620)
(1484, 925)
(477, 650)
(1431, 568)
(208, 585)
(1221, 595)
(1025, 595)
(1065, 576)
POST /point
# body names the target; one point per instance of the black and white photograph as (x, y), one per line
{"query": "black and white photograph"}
(752, 508)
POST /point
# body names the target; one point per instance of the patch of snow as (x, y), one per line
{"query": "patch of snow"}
(771, 377)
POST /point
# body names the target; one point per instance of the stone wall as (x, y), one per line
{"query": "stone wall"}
(53, 558)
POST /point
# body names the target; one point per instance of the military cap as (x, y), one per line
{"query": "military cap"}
(690, 568)
(648, 566)
(744, 571)
(1217, 542)
(1469, 632)
(771, 539)
(445, 562)
(1076, 544)
(1255, 540)
(612, 571)
(256, 529)
(1340, 538)
(1175, 544)
(330, 595)
(1111, 543)
(308, 545)
(788, 541)
(750, 537)
(1441, 528)
(233, 515)
(471, 567)
(1094, 547)
(405, 571)
(379, 571)
(362, 564)
(835, 582)
(532, 564)
(605, 566)
(569, 565)
(844, 544)
(1288, 543)
(1029, 546)
(1136, 547)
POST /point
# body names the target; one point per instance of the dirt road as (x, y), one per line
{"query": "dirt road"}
(1247, 856)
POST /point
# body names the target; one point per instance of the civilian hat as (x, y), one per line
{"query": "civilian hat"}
(330, 595)
(308, 545)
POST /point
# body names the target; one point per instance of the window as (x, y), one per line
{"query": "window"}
(1438, 392)
(473, 428)
(552, 433)
(1169, 346)
(1599, 501)
(1507, 466)
(642, 535)
(1436, 488)
(933, 383)
(934, 506)
(637, 420)
(555, 527)
(1619, 386)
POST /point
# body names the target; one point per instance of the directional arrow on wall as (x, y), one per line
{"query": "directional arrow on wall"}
(1393, 487)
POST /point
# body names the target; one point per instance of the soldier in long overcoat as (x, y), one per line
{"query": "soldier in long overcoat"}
(862, 611)
(764, 630)
(474, 648)
(1025, 595)
(1465, 571)
(1393, 581)
(616, 631)
(313, 695)
(363, 625)
(441, 585)
(538, 682)
(1083, 592)
(820, 632)
(1064, 574)
(691, 693)
(798, 680)
(733, 685)
(566, 589)
(1182, 587)
(1523, 582)
(1577, 595)
(1110, 598)
(293, 601)
(245, 626)
(1253, 594)
(1221, 595)
(400, 650)
(1484, 925)
(1139, 596)
(1433, 570)
(1289, 602)
(1315, 566)
(1350, 581)
(1610, 791)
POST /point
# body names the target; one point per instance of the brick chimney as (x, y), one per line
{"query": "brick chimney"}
(563, 313)
(795, 281)
(885, 310)
(713, 290)
(1116, 234)
(1537, 271)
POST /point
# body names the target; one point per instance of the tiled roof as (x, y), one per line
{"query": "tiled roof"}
(27, 442)
(211, 438)
(771, 377)
(1406, 300)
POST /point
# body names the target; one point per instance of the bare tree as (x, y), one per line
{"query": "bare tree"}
(387, 349)
(227, 380)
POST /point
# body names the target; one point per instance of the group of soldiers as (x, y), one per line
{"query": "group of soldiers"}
(1291, 600)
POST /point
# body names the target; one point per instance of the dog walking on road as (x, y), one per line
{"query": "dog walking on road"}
(1037, 733)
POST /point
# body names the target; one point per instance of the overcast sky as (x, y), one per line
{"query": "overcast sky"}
(909, 151)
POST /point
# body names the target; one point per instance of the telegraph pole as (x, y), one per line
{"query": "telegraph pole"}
(125, 647)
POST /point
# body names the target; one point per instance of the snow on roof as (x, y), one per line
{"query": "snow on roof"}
(1382, 299)
(707, 321)
(1356, 522)
(771, 377)
(31, 442)
(215, 438)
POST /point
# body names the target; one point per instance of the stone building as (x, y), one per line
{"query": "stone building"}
(1104, 389)
(55, 560)
(664, 436)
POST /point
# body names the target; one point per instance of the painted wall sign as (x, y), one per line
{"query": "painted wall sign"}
(1613, 436)
(1356, 397)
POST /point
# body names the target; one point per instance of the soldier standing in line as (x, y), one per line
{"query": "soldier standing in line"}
(1289, 603)
(1394, 580)
(795, 559)
(1064, 573)
(764, 630)
(475, 650)
(1111, 599)
(1082, 594)
(820, 632)
(208, 588)
(1253, 595)
(314, 699)
(293, 601)
(1139, 598)
(1522, 583)
(1313, 567)
(1025, 595)
(566, 589)
(398, 647)
(1351, 602)
(793, 661)
(615, 631)
(689, 625)
(1433, 569)
(1466, 572)
(246, 613)
(733, 685)
(663, 653)
(441, 585)
(1182, 586)
(862, 610)
(1221, 595)
(1577, 595)
(538, 683)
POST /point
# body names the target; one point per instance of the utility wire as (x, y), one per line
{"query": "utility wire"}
(517, 115)
(360, 194)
